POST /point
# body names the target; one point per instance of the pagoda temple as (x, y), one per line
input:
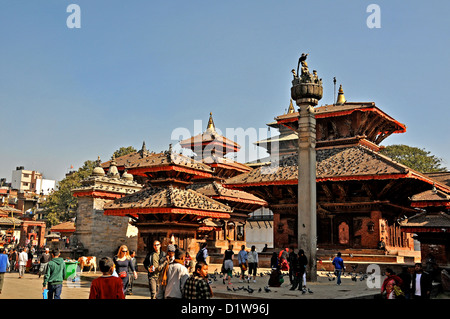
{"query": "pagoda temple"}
(210, 148)
(165, 209)
(360, 193)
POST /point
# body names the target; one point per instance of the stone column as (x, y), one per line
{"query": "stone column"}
(307, 220)
(307, 91)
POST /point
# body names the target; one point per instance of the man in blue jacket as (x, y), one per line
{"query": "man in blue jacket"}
(4, 264)
(338, 263)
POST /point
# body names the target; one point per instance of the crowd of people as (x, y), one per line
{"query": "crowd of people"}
(169, 273)
(174, 274)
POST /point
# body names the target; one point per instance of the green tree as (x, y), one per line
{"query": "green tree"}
(416, 158)
(124, 151)
(61, 206)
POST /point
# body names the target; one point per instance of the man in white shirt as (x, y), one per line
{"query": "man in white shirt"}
(177, 274)
(421, 283)
(23, 259)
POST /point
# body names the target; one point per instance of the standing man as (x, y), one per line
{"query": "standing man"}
(154, 263)
(4, 265)
(175, 278)
(45, 258)
(292, 260)
(197, 286)
(13, 260)
(202, 253)
(54, 276)
(421, 283)
(23, 259)
(242, 259)
(162, 278)
(338, 263)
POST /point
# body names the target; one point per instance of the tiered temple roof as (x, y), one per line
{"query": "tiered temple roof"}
(211, 142)
(167, 175)
(335, 164)
(170, 199)
(348, 123)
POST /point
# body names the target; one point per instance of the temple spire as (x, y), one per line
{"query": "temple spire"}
(143, 151)
(211, 125)
(291, 108)
(341, 98)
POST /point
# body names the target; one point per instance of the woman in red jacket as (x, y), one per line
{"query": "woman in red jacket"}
(389, 283)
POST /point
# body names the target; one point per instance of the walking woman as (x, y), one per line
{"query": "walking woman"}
(123, 262)
(228, 264)
(252, 263)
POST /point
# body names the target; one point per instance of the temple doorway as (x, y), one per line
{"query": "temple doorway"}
(344, 234)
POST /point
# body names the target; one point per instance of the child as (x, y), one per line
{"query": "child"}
(106, 286)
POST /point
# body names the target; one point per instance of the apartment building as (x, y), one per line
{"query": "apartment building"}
(31, 181)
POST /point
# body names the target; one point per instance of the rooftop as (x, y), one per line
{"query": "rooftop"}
(334, 164)
(167, 200)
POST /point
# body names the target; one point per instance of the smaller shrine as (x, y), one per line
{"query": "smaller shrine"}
(431, 226)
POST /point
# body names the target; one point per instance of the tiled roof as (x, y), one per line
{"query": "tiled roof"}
(441, 177)
(167, 197)
(427, 220)
(125, 160)
(167, 159)
(278, 138)
(10, 221)
(431, 195)
(214, 160)
(66, 226)
(345, 163)
(9, 209)
(216, 190)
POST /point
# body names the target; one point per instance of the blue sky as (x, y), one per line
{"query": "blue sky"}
(137, 70)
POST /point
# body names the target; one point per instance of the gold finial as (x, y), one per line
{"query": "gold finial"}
(341, 98)
(291, 108)
(211, 125)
